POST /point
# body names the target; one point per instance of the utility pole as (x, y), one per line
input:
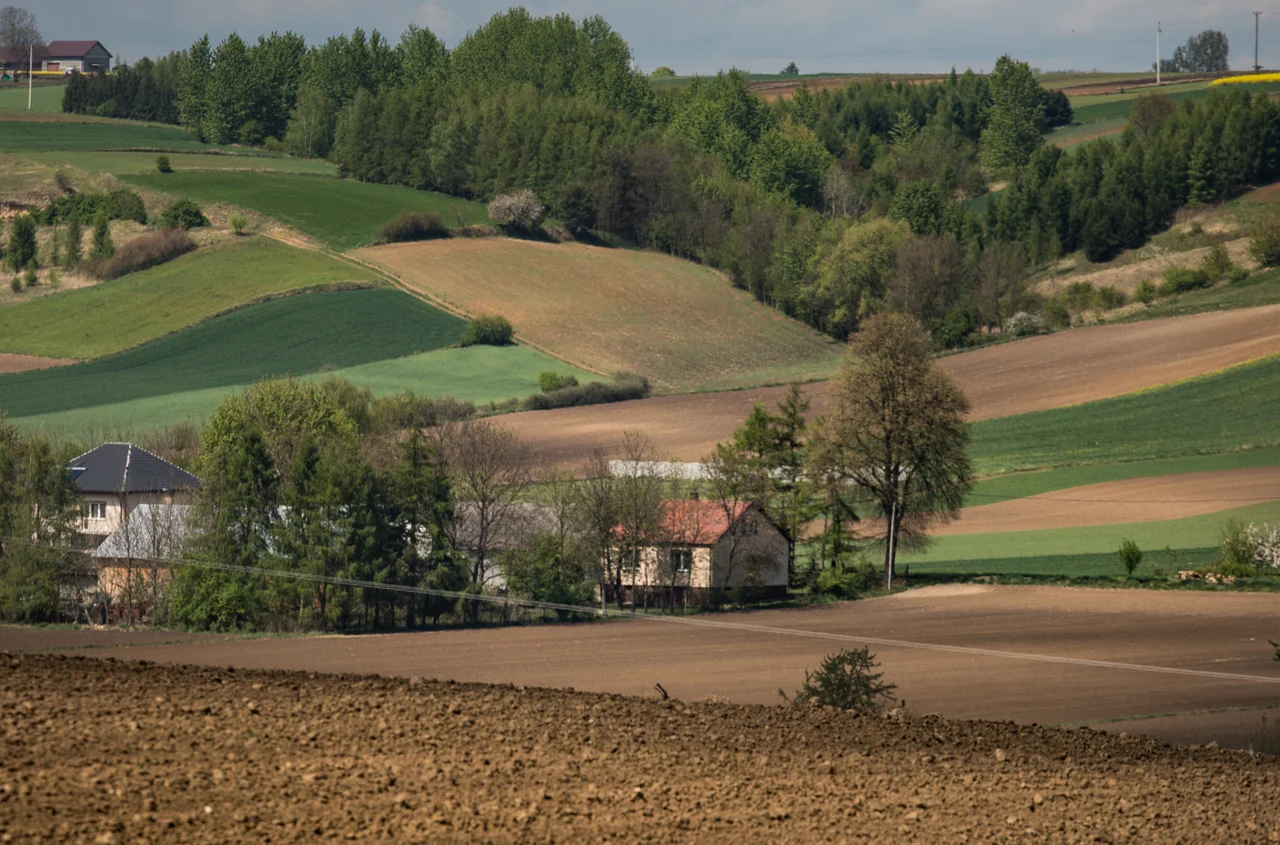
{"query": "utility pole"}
(1256, 67)
(31, 66)
(1157, 52)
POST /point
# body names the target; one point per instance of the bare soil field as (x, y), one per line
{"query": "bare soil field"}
(99, 752)
(1029, 654)
(615, 310)
(1050, 371)
(1119, 502)
(11, 363)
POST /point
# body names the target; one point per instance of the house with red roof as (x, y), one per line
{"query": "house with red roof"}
(708, 548)
(81, 56)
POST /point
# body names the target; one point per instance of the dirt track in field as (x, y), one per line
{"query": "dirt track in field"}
(12, 363)
(98, 752)
(1051, 371)
(964, 652)
(1119, 502)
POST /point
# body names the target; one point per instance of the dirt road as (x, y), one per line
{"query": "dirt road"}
(12, 363)
(1036, 374)
(98, 752)
(1030, 654)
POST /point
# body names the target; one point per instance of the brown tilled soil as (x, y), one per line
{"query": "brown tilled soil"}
(1117, 502)
(100, 752)
(10, 363)
(1050, 371)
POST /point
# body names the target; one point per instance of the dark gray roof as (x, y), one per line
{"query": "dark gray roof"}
(123, 467)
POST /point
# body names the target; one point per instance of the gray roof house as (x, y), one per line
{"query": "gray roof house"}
(115, 478)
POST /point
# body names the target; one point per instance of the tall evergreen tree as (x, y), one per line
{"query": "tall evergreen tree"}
(193, 83)
(103, 246)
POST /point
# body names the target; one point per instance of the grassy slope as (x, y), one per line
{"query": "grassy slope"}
(1112, 106)
(342, 213)
(46, 99)
(477, 374)
(677, 323)
(124, 164)
(1228, 411)
(50, 136)
(297, 334)
(1260, 289)
(115, 315)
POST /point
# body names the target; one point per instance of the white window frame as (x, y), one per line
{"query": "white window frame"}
(676, 555)
(95, 511)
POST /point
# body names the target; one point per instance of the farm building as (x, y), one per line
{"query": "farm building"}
(710, 547)
(115, 478)
(83, 56)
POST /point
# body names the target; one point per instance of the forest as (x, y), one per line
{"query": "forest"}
(829, 206)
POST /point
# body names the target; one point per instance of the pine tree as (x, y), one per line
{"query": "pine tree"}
(1200, 188)
(192, 85)
(22, 242)
(74, 242)
(103, 246)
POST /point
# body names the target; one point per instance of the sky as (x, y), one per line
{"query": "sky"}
(703, 36)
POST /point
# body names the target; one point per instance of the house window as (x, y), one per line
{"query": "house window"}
(681, 560)
(631, 560)
(96, 510)
(749, 528)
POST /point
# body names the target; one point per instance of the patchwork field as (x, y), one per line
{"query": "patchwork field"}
(115, 315)
(614, 310)
(44, 135)
(130, 163)
(340, 213)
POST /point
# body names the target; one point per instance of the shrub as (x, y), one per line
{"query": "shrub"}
(15, 284)
(273, 145)
(1196, 228)
(551, 381)
(413, 226)
(29, 277)
(487, 330)
(1146, 292)
(1237, 550)
(103, 247)
(148, 251)
(55, 281)
(1105, 298)
(162, 164)
(621, 389)
(238, 223)
(1130, 556)
(845, 681)
(183, 214)
(1022, 324)
(1217, 263)
(1264, 240)
(63, 180)
(22, 242)
(251, 133)
(405, 410)
(520, 210)
(121, 204)
(1056, 313)
(1182, 280)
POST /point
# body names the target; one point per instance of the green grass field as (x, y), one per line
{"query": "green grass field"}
(1223, 412)
(1260, 289)
(1116, 106)
(126, 164)
(297, 334)
(1091, 566)
(115, 315)
(22, 136)
(341, 213)
(1200, 532)
(46, 99)
(476, 374)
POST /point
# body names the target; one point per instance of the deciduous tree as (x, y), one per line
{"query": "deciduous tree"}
(1016, 117)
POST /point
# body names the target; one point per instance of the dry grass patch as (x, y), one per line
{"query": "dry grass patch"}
(611, 310)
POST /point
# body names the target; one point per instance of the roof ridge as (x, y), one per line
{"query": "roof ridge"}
(124, 479)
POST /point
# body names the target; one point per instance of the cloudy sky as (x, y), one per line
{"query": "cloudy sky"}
(702, 36)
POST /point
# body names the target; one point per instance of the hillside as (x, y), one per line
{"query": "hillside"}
(616, 310)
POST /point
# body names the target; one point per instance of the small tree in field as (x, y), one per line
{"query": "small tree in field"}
(74, 242)
(103, 246)
(487, 330)
(22, 242)
(521, 210)
(1264, 240)
(1130, 556)
(845, 681)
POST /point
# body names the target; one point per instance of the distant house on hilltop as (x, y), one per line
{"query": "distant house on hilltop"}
(83, 56)
(116, 478)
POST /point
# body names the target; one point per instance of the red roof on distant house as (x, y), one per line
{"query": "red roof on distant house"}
(71, 49)
(701, 522)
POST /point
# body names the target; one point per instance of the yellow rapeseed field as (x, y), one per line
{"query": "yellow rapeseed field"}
(1252, 77)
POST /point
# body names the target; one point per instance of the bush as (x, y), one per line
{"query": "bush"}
(413, 226)
(162, 164)
(1182, 280)
(845, 681)
(63, 180)
(624, 387)
(183, 214)
(406, 411)
(103, 247)
(1237, 550)
(273, 145)
(1217, 263)
(251, 133)
(15, 284)
(1146, 292)
(551, 381)
(1022, 324)
(238, 223)
(22, 242)
(1056, 313)
(520, 210)
(29, 277)
(1130, 556)
(1264, 240)
(122, 204)
(487, 330)
(148, 251)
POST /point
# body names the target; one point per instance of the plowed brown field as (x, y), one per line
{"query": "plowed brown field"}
(1118, 502)
(1065, 368)
(11, 363)
(98, 752)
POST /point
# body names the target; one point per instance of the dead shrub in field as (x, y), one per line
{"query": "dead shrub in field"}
(845, 681)
(413, 226)
(147, 251)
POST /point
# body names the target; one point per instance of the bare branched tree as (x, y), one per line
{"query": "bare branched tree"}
(18, 34)
(596, 509)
